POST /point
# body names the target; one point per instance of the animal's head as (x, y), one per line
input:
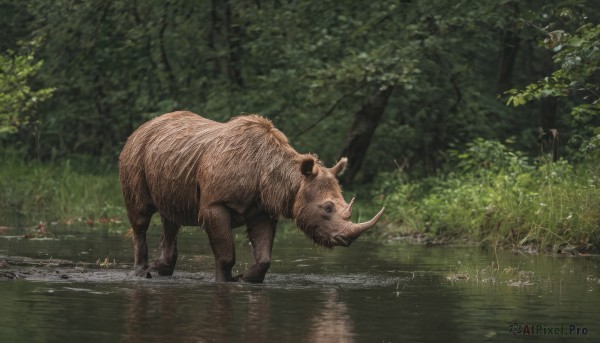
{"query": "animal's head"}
(320, 210)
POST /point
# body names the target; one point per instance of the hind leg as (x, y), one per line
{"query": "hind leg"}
(140, 220)
(138, 202)
(168, 248)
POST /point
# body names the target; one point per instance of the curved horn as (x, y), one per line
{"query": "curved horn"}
(348, 210)
(340, 166)
(356, 230)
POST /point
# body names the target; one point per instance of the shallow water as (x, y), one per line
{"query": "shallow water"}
(370, 292)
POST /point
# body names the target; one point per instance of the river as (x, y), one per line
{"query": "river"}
(370, 292)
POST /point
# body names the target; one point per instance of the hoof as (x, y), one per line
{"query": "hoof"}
(240, 278)
(142, 272)
(163, 269)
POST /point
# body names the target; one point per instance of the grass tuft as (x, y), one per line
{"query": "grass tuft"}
(33, 192)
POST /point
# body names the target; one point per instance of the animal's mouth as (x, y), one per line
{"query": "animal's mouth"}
(321, 237)
(341, 241)
(344, 233)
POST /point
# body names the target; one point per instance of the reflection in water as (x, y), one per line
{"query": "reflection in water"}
(159, 312)
(234, 313)
(259, 316)
(143, 307)
(332, 323)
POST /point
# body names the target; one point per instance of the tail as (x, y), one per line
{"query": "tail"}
(128, 234)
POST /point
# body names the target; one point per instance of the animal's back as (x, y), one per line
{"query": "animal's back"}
(179, 160)
(159, 164)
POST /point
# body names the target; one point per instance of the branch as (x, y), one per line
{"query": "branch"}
(329, 112)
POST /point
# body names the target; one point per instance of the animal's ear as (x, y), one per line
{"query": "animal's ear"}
(308, 166)
(339, 168)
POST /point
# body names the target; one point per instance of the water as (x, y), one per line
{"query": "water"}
(371, 292)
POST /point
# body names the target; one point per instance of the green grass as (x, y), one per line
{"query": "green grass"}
(32, 192)
(498, 198)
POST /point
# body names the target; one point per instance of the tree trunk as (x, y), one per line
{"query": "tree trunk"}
(508, 52)
(508, 55)
(361, 133)
(548, 105)
(547, 114)
(234, 34)
(224, 39)
(214, 37)
(171, 80)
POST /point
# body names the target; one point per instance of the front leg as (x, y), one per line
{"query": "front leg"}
(217, 223)
(261, 232)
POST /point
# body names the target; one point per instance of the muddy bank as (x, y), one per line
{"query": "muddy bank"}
(532, 247)
(52, 270)
(18, 267)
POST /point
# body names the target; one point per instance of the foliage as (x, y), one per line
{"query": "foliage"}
(307, 65)
(18, 101)
(498, 197)
(577, 77)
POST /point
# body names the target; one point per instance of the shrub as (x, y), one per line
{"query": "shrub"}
(497, 195)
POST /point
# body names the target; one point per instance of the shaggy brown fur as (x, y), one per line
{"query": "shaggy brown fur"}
(195, 171)
(235, 163)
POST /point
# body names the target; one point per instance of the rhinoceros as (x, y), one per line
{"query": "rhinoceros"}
(197, 172)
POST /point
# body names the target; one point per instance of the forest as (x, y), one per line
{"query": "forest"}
(468, 120)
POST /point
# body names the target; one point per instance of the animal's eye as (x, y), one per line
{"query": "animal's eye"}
(328, 207)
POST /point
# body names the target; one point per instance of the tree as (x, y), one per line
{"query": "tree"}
(362, 130)
(577, 78)
(18, 99)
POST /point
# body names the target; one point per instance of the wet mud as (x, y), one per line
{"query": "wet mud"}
(55, 270)
(48, 270)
